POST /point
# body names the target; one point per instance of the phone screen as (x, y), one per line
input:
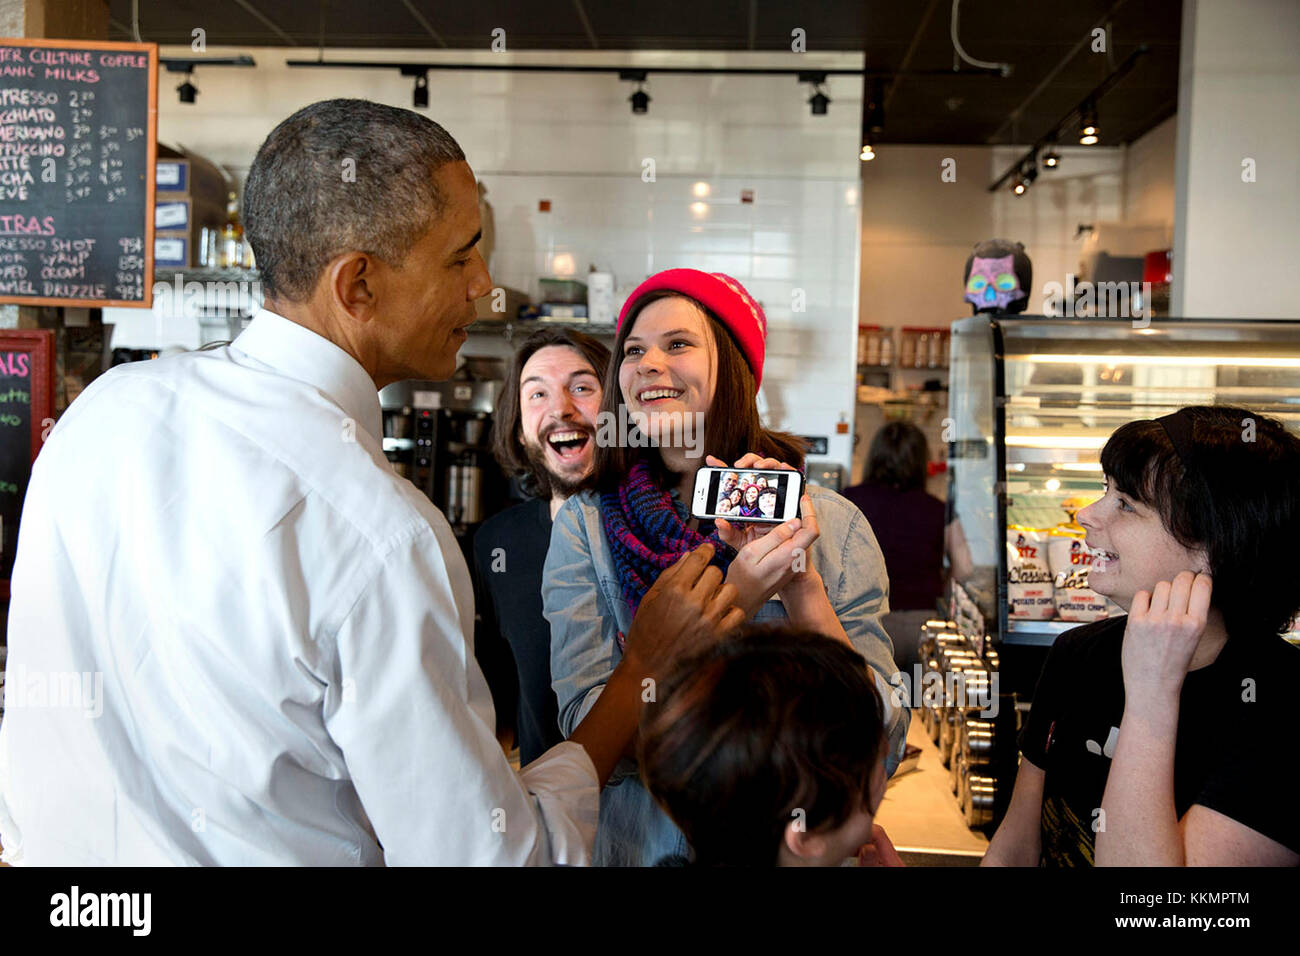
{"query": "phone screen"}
(748, 495)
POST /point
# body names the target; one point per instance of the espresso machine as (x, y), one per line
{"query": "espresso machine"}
(436, 434)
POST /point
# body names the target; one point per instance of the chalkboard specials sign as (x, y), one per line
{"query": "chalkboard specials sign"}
(26, 414)
(78, 124)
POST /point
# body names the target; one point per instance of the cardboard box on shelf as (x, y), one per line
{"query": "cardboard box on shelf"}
(180, 175)
(189, 195)
(172, 250)
(509, 301)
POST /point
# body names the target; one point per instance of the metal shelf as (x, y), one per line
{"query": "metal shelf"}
(1041, 633)
(510, 329)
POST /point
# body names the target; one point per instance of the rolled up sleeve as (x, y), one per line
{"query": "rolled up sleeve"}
(584, 630)
(411, 712)
(860, 598)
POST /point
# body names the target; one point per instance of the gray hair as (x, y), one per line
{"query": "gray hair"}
(337, 176)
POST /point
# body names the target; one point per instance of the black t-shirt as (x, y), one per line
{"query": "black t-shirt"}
(512, 579)
(1232, 753)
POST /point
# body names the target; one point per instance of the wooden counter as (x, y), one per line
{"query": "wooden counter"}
(921, 815)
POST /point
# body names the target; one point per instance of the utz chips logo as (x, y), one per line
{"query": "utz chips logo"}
(1025, 550)
(1079, 553)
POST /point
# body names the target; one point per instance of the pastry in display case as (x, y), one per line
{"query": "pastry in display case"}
(1032, 402)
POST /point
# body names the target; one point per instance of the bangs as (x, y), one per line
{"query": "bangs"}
(1140, 461)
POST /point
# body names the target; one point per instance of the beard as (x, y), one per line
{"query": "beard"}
(557, 484)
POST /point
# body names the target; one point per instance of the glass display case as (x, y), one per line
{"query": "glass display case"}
(1032, 401)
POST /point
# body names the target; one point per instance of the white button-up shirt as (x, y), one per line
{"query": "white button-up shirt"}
(237, 636)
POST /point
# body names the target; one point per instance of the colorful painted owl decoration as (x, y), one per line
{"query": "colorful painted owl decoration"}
(998, 277)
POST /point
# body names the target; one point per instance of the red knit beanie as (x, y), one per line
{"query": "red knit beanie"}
(724, 297)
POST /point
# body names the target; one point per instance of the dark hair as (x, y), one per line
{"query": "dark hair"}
(1238, 499)
(772, 721)
(507, 442)
(732, 425)
(337, 176)
(898, 456)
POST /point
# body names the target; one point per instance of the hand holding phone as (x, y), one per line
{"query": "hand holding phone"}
(766, 553)
(753, 490)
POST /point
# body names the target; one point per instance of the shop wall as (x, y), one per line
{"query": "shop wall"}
(1237, 244)
(572, 139)
(1149, 177)
(918, 229)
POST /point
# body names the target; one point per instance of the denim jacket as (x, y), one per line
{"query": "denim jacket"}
(583, 602)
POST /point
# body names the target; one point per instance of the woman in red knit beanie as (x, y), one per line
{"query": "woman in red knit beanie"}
(690, 348)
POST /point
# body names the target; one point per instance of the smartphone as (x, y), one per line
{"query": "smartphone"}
(751, 494)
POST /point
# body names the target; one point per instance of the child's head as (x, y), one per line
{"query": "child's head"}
(1212, 489)
(768, 749)
(767, 501)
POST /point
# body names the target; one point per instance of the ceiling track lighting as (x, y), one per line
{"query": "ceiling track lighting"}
(187, 91)
(873, 116)
(1089, 129)
(1025, 179)
(640, 100)
(420, 95)
(819, 100)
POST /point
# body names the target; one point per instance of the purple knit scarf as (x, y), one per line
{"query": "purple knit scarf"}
(646, 534)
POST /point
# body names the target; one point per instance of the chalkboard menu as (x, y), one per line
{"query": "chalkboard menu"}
(78, 124)
(26, 413)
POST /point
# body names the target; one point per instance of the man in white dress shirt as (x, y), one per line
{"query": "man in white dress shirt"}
(236, 636)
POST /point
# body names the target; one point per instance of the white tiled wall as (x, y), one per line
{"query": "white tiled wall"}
(572, 139)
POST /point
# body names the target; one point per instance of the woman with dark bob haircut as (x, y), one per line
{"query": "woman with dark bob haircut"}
(688, 361)
(1160, 738)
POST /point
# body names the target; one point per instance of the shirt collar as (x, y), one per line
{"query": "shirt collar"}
(301, 354)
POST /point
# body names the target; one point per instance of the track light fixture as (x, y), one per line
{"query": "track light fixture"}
(867, 153)
(187, 90)
(1028, 173)
(640, 100)
(420, 98)
(1088, 129)
(819, 100)
(1084, 114)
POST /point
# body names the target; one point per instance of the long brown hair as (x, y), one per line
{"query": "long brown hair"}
(732, 425)
(507, 442)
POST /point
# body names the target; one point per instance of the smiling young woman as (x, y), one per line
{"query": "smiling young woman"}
(691, 344)
(1159, 738)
